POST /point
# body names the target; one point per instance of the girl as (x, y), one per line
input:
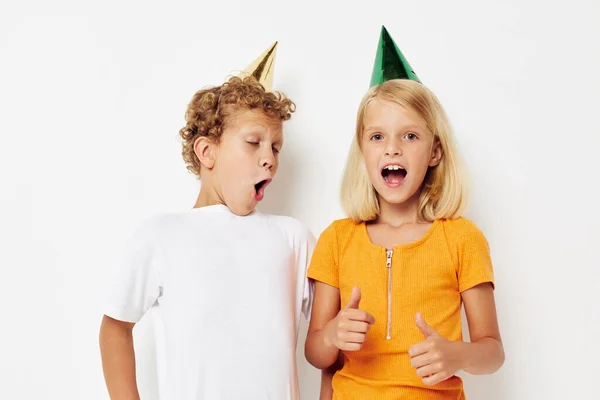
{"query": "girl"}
(390, 279)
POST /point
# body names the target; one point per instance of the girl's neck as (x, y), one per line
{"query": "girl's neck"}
(396, 215)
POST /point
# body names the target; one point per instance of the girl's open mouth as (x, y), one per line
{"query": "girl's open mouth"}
(393, 175)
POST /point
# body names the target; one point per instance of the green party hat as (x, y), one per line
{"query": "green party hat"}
(390, 62)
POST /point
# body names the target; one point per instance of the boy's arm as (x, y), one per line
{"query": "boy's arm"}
(118, 359)
(327, 376)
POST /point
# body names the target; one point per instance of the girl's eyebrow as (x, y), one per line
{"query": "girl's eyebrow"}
(406, 127)
(413, 126)
(373, 128)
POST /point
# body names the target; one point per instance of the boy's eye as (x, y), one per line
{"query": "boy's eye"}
(276, 150)
(253, 143)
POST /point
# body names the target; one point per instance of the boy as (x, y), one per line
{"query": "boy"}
(227, 283)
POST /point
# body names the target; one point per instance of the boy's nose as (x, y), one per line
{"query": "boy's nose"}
(267, 161)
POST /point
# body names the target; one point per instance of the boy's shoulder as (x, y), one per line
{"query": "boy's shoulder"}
(155, 223)
(148, 226)
(289, 225)
(174, 218)
(161, 225)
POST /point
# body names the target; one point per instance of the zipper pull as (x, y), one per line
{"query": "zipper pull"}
(388, 262)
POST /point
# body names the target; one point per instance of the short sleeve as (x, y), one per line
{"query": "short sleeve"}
(135, 285)
(324, 263)
(474, 260)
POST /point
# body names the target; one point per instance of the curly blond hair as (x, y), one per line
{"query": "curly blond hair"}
(210, 108)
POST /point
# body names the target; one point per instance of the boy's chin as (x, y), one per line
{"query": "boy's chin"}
(241, 208)
(241, 211)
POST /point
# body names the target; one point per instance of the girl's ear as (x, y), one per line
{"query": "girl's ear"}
(436, 153)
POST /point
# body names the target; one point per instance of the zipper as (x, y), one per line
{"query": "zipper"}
(388, 264)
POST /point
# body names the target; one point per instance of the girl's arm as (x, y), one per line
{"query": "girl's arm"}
(333, 329)
(437, 358)
(327, 377)
(326, 305)
(485, 354)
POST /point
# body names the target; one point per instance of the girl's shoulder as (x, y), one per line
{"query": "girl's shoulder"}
(461, 232)
(460, 226)
(339, 231)
(339, 227)
(343, 224)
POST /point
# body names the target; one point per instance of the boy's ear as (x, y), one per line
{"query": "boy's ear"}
(436, 153)
(205, 149)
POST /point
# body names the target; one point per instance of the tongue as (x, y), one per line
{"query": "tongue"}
(395, 176)
(260, 193)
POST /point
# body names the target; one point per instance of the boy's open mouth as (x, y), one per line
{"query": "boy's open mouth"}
(393, 174)
(259, 189)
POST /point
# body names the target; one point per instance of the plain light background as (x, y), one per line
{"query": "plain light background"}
(92, 96)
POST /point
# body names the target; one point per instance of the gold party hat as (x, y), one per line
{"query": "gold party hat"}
(262, 68)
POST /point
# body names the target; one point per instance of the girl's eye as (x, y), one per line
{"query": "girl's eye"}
(377, 136)
(411, 136)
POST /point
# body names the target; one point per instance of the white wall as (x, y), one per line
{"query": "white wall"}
(92, 96)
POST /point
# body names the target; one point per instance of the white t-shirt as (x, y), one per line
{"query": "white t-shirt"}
(227, 293)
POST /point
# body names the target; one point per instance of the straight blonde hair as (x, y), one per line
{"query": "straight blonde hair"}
(444, 190)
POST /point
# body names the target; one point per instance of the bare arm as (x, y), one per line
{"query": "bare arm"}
(437, 358)
(333, 329)
(485, 353)
(118, 359)
(327, 376)
(326, 305)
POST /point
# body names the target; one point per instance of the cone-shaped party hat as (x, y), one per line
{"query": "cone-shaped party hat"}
(390, 62)
(263, 68)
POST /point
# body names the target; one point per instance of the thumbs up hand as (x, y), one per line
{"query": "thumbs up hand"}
(425, 329)
(348, 330)
(354, 298)
(435, 358)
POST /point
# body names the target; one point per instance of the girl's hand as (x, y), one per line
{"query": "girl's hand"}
(348, 330)
(436, 358)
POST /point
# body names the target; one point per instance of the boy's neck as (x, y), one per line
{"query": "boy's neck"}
(207, 196)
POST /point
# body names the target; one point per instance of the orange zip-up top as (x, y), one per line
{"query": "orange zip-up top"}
(426, 276)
